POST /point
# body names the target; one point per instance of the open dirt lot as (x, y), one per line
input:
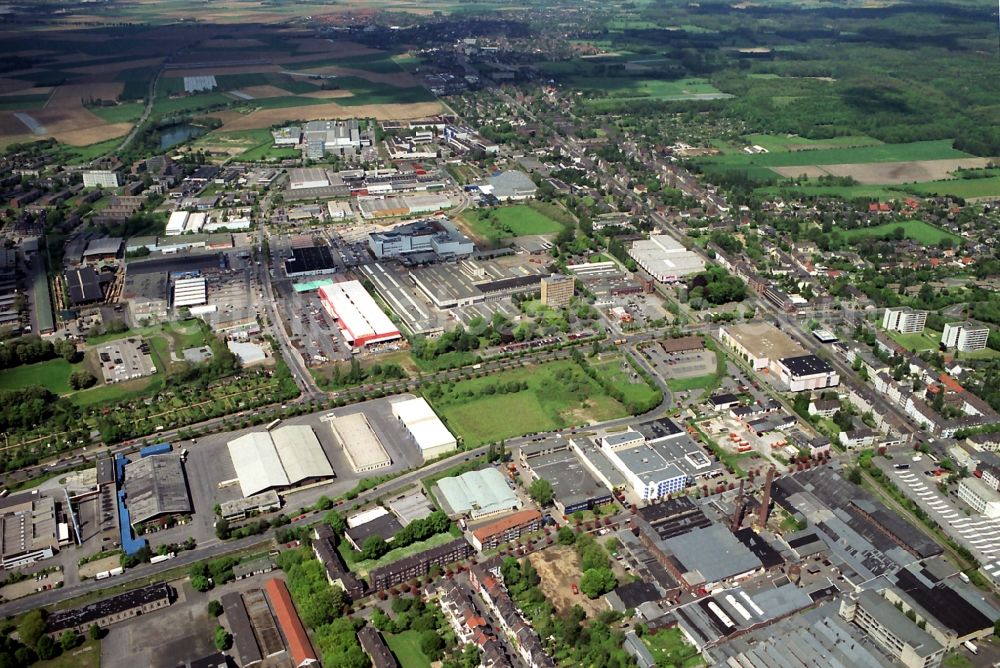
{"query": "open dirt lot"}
(258, 92)
(65, 118)
(265, 118)
(329, 94)
(888, 173)
(559, 567)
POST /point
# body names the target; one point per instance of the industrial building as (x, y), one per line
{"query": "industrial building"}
(759, 343)
(299, 646)
(904, 320)
(376, 521)
(29, 529)
(403, 205)
(965, 337)
(710, 556)
(340, 138)
(657, 459)
(511, 185)
(557, 290)
(892, 630)
(360, 319)
(307, 178)
(430, 435)
(109, 611)
(86, 286)
(805, 372)
(240, 509)
(176, 223)
(434, 239)
(104, 249)
(361, 444)
(190, 292)
(278, 459)
(473, 281)
(573, 486)
(478, 494)
(310, 261)
(155, 488)
(665, 259)
(146, 295)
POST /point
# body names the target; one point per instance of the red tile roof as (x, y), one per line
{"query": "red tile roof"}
(505, 523)
(299, 646)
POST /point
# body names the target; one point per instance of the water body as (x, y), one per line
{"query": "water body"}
(176, 134)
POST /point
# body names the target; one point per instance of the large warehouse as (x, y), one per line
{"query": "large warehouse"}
(360, 319)
(278, 459)
(665, 259)
(430, 434)
(190, 292)
(759, 343)
(362, 446)
(155, 487)
(478, 494)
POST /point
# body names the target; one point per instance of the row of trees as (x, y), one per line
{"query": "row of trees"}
(31, 349)
(417, 530)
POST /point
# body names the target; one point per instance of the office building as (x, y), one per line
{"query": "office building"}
(28, 529)
(904, 320)
(965, 337)
(557, 290)
(980, 497)
(437, 239)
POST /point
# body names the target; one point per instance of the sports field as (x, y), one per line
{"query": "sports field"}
(558, 395)
(917, 230)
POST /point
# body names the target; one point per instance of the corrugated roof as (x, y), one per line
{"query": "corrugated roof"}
(481, 492)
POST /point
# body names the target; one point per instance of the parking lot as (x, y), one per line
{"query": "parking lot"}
(684, 364)
(979, 534)
(126, 359)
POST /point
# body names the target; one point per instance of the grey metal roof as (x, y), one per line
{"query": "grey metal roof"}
(898, 624)
(713, 552)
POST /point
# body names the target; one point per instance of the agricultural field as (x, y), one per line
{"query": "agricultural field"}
(626, 88)
(964, 188)
(787, 143)
(554, 395)
(510, 221)
(917, 230)
(915, 151)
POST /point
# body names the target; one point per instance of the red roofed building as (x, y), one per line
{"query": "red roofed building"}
(299, 647)
(506, 529)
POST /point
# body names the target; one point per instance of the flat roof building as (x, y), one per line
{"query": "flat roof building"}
(512, 185)
(557, 290)
(665, 259)
(310, 261)
(278, 459)
(155, 487)
(361, 444)
(904, 320)
(805, 372)
(190, 292)
(892, 630)
(28, 529)
(478, 494)
(431, 436)
(438, 237)
(710, 555)
(759, 343)
(418, 565)
(358, 316)
(965, 337)
(573, 486)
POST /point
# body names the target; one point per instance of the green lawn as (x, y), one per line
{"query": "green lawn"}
(511, 221)
(917, 230)
(406, 647)
(75, 155)
(52, 374)
(785, 143)
(881, 193)
(921, 150)
(696, 383)
(628, 88)
(559, 395)
(669, 648)
(87, 655)
(926, 340)
(363, 567)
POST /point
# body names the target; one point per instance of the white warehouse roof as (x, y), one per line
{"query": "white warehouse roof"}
(423, 423)
(176, 223)
(195, 222)
(357, 314)
(279, 458)
(190, 292)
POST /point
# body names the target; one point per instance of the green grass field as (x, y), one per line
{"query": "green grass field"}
(638, 392)
(559, 394)
(669, 648)
(87, 655)
(964, 188)
(917, 230)
(922, 150)
(696, 383)
(22, 102)
(75, 155)
(881, 193)
(511, 221)
(926, 340)
(406, 647)
(52, 374)
(626, 88)
(122, 113)
(786, 143)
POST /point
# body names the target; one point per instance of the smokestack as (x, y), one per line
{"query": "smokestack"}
(765, 501)
(738, 512)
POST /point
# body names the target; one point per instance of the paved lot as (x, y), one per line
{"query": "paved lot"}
(690, 364)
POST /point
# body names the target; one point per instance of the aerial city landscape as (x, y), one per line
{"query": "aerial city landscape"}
(519, 334)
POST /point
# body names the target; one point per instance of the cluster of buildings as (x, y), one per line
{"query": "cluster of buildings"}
(964, 337)
(766, 348)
